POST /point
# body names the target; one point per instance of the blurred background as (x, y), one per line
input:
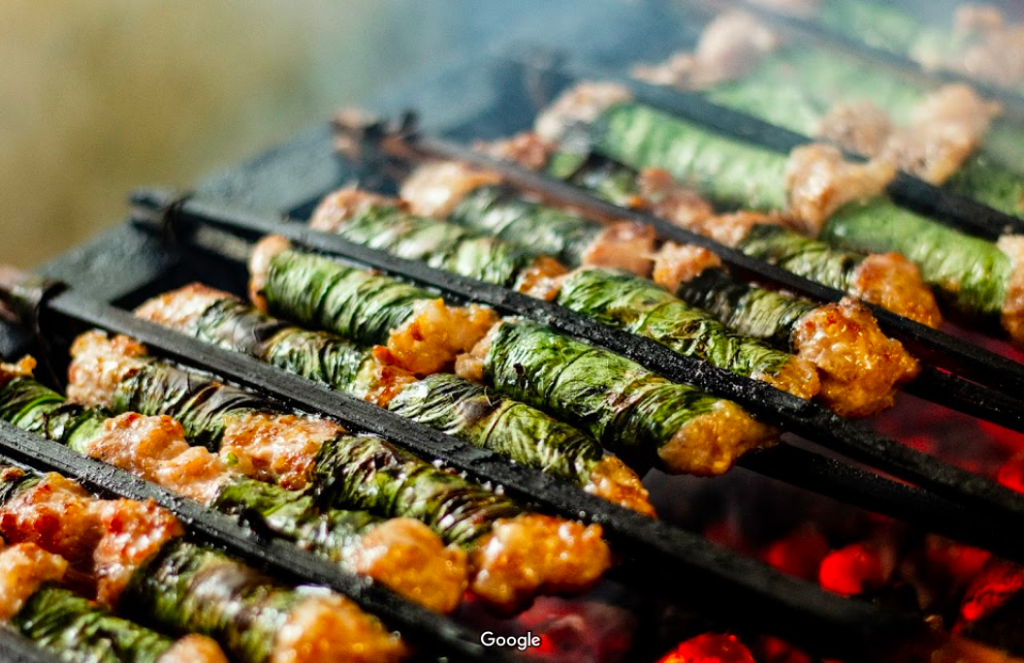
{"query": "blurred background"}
(98, 96)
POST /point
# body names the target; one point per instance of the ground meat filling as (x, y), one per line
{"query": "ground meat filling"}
(860, 127)
(435, 189)
(155, 449)
(59, 516)
(612, 480)
(99, 364)
(23, 369)
(860, 368)
(327, 627)
(730, 47)
(710, 444)
(798, 377)
(525, 149)
(409, 558)
(819, 181)
(891, 281)
(676, 264)
(623, 245)
(580, 105)
(337, 208)
(1013, 305)
(24, 568)
(663, 196)
(193, 649)
(432, 339)
(132, 533)
(996, 51)
(180, 309)
(534, 553)
(280, 448)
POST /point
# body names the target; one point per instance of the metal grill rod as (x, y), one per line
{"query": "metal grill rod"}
(801, 417)
(16, 649)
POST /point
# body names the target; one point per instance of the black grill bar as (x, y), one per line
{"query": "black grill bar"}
(16, 649)
(1011, 101)
(433, 632)
(825, 428)
(984, 367)
(656, 557)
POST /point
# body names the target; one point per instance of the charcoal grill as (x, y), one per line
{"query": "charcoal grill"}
(175, 239)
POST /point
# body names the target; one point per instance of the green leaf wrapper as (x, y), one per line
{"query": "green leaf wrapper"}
(79, 631)
(970, 274)
(501, 211)
(625, 407)
(637, 305)
(442, 246)
(318, 292)
(189, 588)
(331, 360)
(749, 310)
(479, 416)
(365, 472)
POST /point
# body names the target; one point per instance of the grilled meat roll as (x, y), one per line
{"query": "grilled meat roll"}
(640, 416)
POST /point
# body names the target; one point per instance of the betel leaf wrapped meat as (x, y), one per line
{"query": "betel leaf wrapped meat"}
(401, 553)
(220, 318)
(384, 224)
(859, 367)
(638, 415)
(422, 333)
(477, 200)
(56, 619)
(513, 553)
(136, 555)
(642, 137)
(645, 309)
(480, 416)
(831, 334)
(601, 294)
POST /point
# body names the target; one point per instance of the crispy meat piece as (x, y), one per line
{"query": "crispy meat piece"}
(132, 533)
(330, 627)
(820, 181)
(1013, 307)
(676, 264)
(414, 562)
(730, 47)
(194, 649)
(155, 449)
(435, 189)
(99, 364)
(669, 200)
(894, 283)
(623, 245)
(580, 105)
(534, 553)
(24, 568)
(526, 149)
(860, 127)
(860, 368)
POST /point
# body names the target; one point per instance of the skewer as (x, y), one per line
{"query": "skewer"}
(741, 590)
(431, 630)
(798, 416)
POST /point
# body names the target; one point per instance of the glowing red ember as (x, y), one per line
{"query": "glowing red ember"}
(1011, 474)
(855, 569)
(798, 554)
(992, 588)
(710, 648)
